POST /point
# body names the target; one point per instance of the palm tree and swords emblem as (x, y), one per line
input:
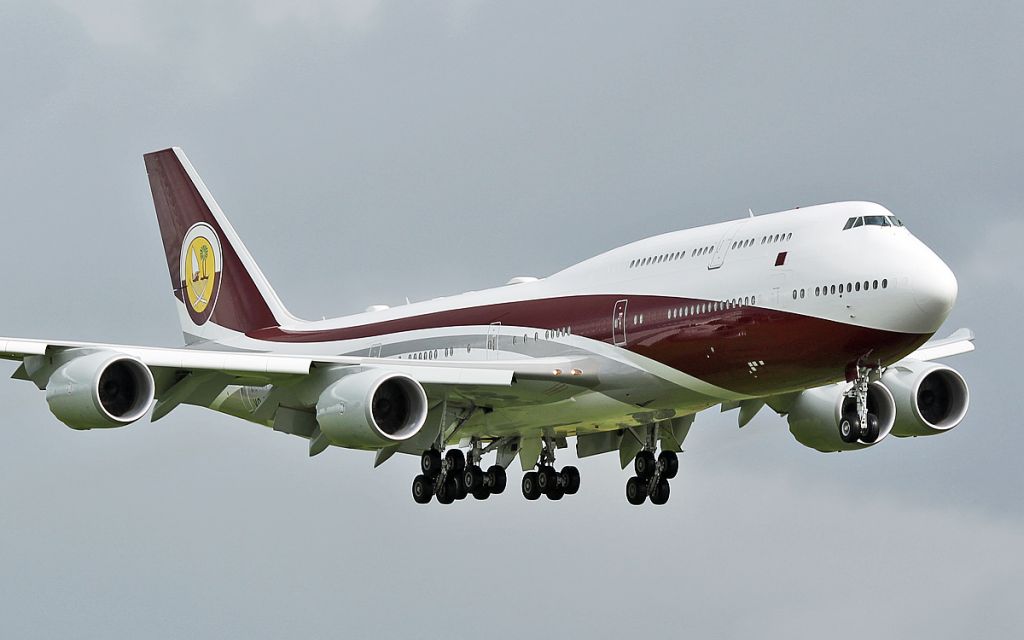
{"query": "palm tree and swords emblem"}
(200, 266)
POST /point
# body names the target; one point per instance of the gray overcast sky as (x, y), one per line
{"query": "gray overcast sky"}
(369, 151)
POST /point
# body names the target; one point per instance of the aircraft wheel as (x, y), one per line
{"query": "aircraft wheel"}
(555, 492)
(669, 462)
(473, 478)
(446, 491)
(481, 493)
(422, 489)
(636, 490)
(460, 487)
(571, 477)
(430, 463)
(644, 464)
(661, 492)
(547, 478)
(531, 486)
(870, 434)
(848, 429)
(456, 460)
(498, 478)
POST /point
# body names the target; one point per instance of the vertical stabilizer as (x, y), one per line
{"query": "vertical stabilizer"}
(220, 290)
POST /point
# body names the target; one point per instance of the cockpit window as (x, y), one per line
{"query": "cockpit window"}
(873, 221)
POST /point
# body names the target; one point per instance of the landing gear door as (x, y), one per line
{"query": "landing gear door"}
(718, 258)
(619, 323)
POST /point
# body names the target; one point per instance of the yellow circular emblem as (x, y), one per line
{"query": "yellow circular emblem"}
(200, 273)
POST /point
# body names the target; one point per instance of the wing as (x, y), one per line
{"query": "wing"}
(960, 341)
(184, 375)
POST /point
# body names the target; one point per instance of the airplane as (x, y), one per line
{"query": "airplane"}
(826, 314)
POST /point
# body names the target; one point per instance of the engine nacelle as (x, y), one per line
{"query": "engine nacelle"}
(100, 390)
(930, 398)
(816, 414)
(371, 409)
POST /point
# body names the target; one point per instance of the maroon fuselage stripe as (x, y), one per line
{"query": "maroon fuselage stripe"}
(717, 347)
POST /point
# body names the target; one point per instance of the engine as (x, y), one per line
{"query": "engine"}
(816, 417)
(371, 409)
(930, 398)
(99, 390)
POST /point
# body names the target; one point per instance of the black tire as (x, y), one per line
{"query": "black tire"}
(661, 492)
(481, 493)
(460, 487)
(531, 487)
(571, 477)
(636, 490)
(473, 478)
(430, 463)
(669, 462)
(871, 433)
(456, 461)
(644, 464)
(547, 479)
(848, 429)
(498, 478)
(446, 491)
(422, 489)
(556, 493)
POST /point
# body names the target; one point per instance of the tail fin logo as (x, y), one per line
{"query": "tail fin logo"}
(201, 266)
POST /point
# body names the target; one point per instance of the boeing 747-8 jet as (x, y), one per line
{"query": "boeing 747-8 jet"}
(823, 313)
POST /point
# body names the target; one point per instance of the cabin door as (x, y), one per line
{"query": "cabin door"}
(619, 323)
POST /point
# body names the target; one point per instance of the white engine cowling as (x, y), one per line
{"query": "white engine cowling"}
(100, 390)
(371, 409)
(816, 414)
(930, 398)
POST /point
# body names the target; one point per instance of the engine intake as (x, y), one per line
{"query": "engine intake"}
(100, 390)
(371, 409)
(930, 398)
(816, 414)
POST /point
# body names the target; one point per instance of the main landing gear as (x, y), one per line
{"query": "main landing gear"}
(859, 423)
(546, 480)
(652, 474)
(453, 477)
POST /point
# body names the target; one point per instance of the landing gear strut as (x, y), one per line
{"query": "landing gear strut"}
(548, 481)
(859, 424)
(652, 474)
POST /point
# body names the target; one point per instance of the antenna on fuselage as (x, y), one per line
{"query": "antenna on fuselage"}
(750, 211)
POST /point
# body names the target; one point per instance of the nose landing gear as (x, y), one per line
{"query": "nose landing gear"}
(860, 424)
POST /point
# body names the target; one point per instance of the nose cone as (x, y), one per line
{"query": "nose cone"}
(935, 290)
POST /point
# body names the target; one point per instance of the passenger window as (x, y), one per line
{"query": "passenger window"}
(833, 289)
(817, 291)
(885, 283)
(858, 286)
